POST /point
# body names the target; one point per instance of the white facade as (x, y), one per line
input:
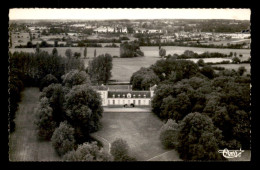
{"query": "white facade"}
(117, 98)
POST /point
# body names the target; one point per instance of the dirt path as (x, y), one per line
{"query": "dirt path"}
(23, 142)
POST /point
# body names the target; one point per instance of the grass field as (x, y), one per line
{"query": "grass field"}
(21, 38)
(23, 142)
(154, 51)
(139, 129)
(123, 68)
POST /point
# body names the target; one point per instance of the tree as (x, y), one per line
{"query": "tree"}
(143, 79)
(75, 77)
(88, 152)
(83, 110)
(119, 150)
(44, 120)
(201, 63)
(100, 68)
(162, 52)
(175, 108)
(230, 54)
(198, 138)
(77, 55)
(47, 80)
(55, 52)
(235, 54)
(85, 52)
(169, 134)
(63, 138)
(44, 44)
(95, 53)
(68, 53)
(29, 44)
(236, 60)
(241, 70)
(37, 48)
(129, 50)
(55, 43)
(55, 95)
(15, 85)
(208, 71)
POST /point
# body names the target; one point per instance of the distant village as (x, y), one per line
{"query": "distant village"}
(168, 31)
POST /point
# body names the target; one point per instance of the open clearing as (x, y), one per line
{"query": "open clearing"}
(141, 131)
(123, 68)
(23, 142)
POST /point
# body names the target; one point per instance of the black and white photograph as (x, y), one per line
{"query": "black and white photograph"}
(129, 85)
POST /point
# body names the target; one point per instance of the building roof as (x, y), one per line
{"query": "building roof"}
(129, 94)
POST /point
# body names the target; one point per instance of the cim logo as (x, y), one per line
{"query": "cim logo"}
(231, 153)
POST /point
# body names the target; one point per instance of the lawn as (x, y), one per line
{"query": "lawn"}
(23, 142)
(139, 129)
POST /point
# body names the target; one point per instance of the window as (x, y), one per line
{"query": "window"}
(113, 102)
(134, 101)
(113, 96)
(139, 102)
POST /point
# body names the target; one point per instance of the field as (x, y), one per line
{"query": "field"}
(23, 142)
(61, 50)
(140, 130)
(123, 68)
(154, 51)
(236, 66)
(225, 42)
(21, 38)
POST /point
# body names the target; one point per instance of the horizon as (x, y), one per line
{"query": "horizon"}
(128, 14)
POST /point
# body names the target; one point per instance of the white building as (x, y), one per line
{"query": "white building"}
(122, 97)
(103, 29)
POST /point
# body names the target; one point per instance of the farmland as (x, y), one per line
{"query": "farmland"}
(154, 51)
(20, 38)
(123, 68)
(140, 130)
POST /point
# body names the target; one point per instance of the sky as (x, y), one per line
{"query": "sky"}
(102, 14)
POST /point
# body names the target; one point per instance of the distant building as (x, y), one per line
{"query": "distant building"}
(78, 25)
(122, 97)
(103, 29)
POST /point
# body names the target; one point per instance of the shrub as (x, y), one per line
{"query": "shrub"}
(88, 152)
(63, 138)
(169, 134)
(169, 138)
(119, 149)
